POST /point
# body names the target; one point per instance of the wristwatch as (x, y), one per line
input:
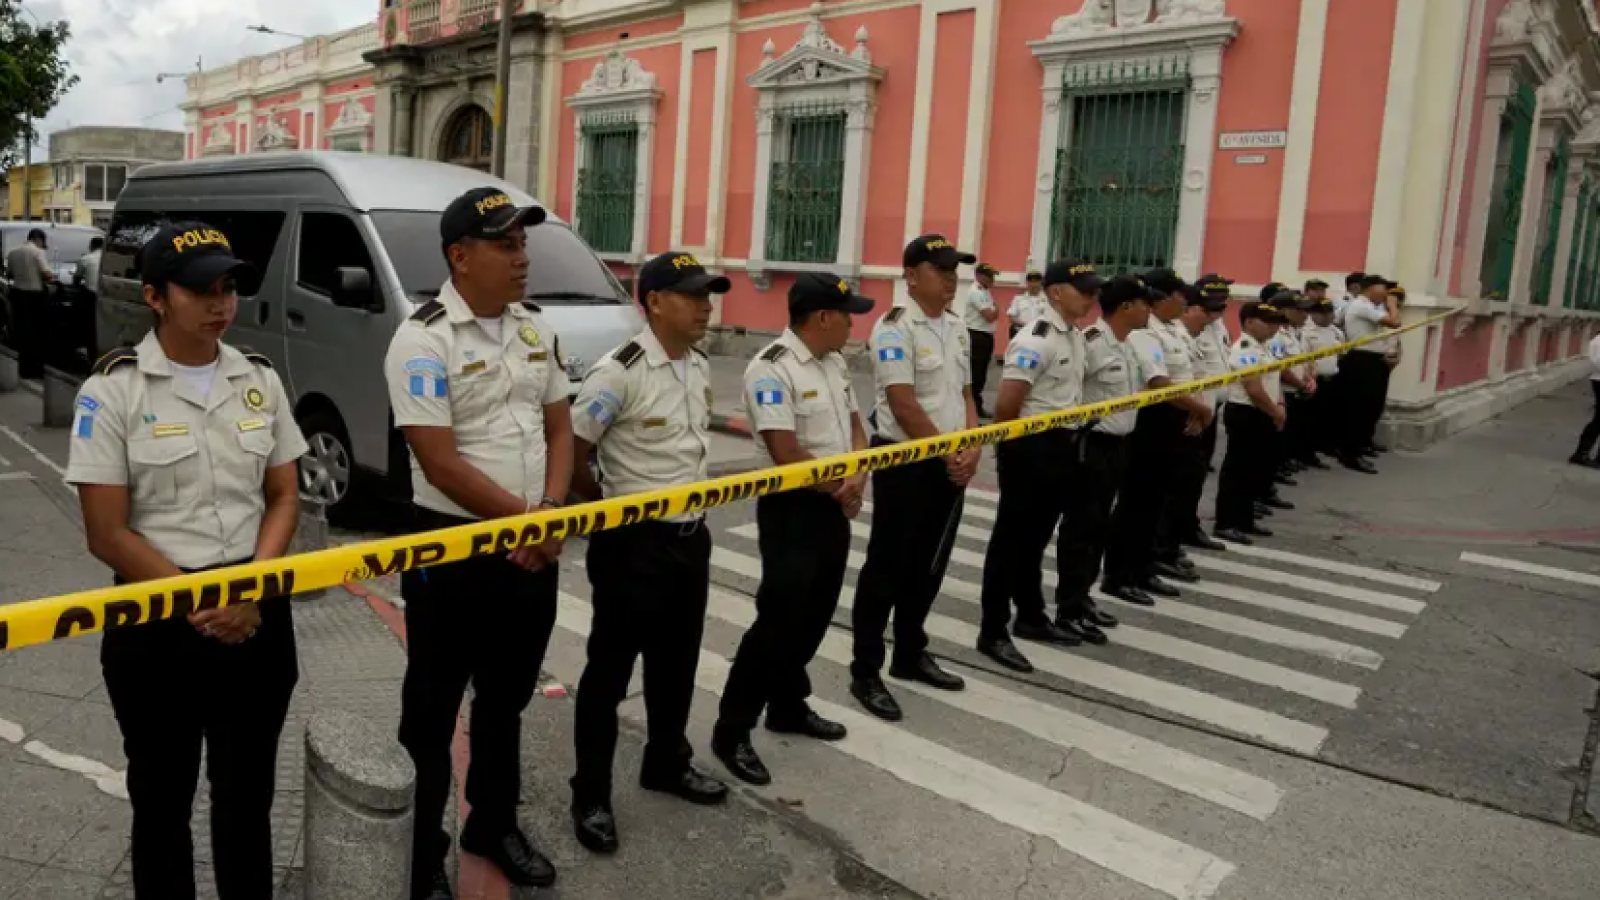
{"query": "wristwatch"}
(550, 502)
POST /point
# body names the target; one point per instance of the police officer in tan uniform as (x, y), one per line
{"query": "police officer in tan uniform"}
(476, 385)
(645, 408)
(920, 362)
(802, 407)
(1043, 374)
(1207, 302)
(183, 452)
(1254, 417)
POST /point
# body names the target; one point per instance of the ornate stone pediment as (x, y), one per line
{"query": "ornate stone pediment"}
(815, 60)
(1122, 15)
(1526, 31)
(219, 143)
(617, 74)
(274, 136)
(353, 117)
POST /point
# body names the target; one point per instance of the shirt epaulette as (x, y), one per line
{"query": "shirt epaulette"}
(531, 306)
(628, 354)
(703, 355)
(894, 315)
(259, 359)
(430, 311)
(1041, 328)
(774, 353)
(120, 356)
(1093, 334)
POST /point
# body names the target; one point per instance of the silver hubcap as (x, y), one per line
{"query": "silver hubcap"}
(325, 470)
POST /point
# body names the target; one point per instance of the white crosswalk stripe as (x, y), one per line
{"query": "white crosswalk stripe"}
(1528, 568)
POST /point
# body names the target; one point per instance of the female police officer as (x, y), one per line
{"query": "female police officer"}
(183, 453)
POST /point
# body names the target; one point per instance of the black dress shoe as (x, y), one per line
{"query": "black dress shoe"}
(1285, 480)
(1278, 503)
(1256, 531)
(1046, 633)
(1002, 651)
(691, 784)
(1086, 631)
(1202, 541)
(875, 698)
(1314, 462)
(1262, 510)
(1094, 615)
(440, 888)
(595, 827)
(1128, 594)
(739, 756)
(1579, 459)
(1160, 588)
(806, 724)
(1177, 573)
(925, 670)
(1357, 464)
(1234, 536)
(511, 853)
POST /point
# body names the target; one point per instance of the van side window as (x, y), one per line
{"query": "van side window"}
(254, 236)
(329, 241)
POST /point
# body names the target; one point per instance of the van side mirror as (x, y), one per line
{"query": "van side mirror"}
(353, 289)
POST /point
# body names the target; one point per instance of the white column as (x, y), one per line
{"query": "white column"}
(853, 192)
(1532, 221)
(1568, 239)
(1205, 73)
(1051, 139)
(980, 104)
(1306, 92)
(1497, 89)
(645, 117)
(766, 123)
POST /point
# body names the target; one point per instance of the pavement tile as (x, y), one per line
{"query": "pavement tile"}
(87, 729)
(13, 875)
(69, 669)
(100, 846)
(45, 808)
(60, 884)
(31, 710)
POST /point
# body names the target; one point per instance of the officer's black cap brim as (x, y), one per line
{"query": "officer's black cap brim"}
(858, 305)
(200, 273)
(949, 260)
(702, 283)
(499, 223)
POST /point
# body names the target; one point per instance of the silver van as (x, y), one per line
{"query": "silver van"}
(349, 247)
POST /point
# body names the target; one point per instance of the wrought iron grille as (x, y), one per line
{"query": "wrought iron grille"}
(1119, 169)
(1555, 191)
(1580, 237)
(606, 185)
(1511, 176)
(1586, 298)
(807, 184)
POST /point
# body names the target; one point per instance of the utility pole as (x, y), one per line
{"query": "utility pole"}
(27, 166)
(502, 84)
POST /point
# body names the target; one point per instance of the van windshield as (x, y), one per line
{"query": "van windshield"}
(562, 270)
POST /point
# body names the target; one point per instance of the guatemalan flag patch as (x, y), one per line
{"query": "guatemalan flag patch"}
(83, 422)
(768, 392)
(426, 378)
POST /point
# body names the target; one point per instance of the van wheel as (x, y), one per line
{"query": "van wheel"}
(327, 470)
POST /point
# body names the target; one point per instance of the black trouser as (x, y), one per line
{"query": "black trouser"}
(1364, 379)
(173, 688)
(1036, 474)
(1591, 431)
(485, 621)
(1247, 469)
(1325, 412)
(982, 360)
(29, 336)
(650, 586)
(1180, 517)
(1301, 429)
(1086, 524)
(1154, 462)
(805, 544)
(916, 510)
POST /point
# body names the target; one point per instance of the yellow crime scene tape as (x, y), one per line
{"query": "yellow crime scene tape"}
(123, 606)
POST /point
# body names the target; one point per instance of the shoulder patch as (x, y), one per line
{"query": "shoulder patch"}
(1093, 334)
(259, 359)
(628, 354)
(531, 306)
(428, 312)
(118, 357)
(774, 353)
(1041, 328)
(894, 315)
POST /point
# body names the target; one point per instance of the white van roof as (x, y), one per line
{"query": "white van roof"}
(368, 181)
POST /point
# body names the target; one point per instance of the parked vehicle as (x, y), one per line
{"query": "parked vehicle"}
(349, 247)
(69, 322)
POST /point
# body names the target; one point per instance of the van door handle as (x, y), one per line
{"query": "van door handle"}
(297, 319)
(263, 311)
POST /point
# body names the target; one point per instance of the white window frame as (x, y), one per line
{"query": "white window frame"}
(619, 88)
(105, 181)
(1135, 31)
(351, 129)
(817, 70)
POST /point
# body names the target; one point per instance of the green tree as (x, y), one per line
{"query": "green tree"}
(34, 75)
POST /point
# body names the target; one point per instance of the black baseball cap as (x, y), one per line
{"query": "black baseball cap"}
(1354, 278)
(1121, 290)
(194, 255)
(1216, 288)
(987, 269)
(1264, 310)
(1081, 275)
(486, 212)
(814, 291)
(1193, 296)
(1316, 284)
(1164, 281)
(1368, 281)
(1272, 289)
(1397, 291)
(933, 248)
(1035, 275)
(680, 273)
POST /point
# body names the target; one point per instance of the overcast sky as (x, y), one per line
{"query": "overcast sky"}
(119, 46)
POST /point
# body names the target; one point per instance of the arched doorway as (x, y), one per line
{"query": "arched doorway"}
(469, 139)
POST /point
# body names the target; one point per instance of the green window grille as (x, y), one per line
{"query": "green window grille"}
(1119, 169)
(1554, 196)
(606, 184)
(807, 184)
(1510, 177)
(1580, 236)
(1591, 243)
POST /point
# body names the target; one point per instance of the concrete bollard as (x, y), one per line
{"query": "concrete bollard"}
(60, 396)
(10, 370)
(310, 536)
(359, 787)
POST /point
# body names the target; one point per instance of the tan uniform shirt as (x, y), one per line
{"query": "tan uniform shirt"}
(27, 265)
(1162, 353)
(1051, 358)
(1112, 372)
(932, 357)
(649, 417)
(1321, 337)
(786, 388)
(193, 465)
(446, 370)
(1247, 352)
